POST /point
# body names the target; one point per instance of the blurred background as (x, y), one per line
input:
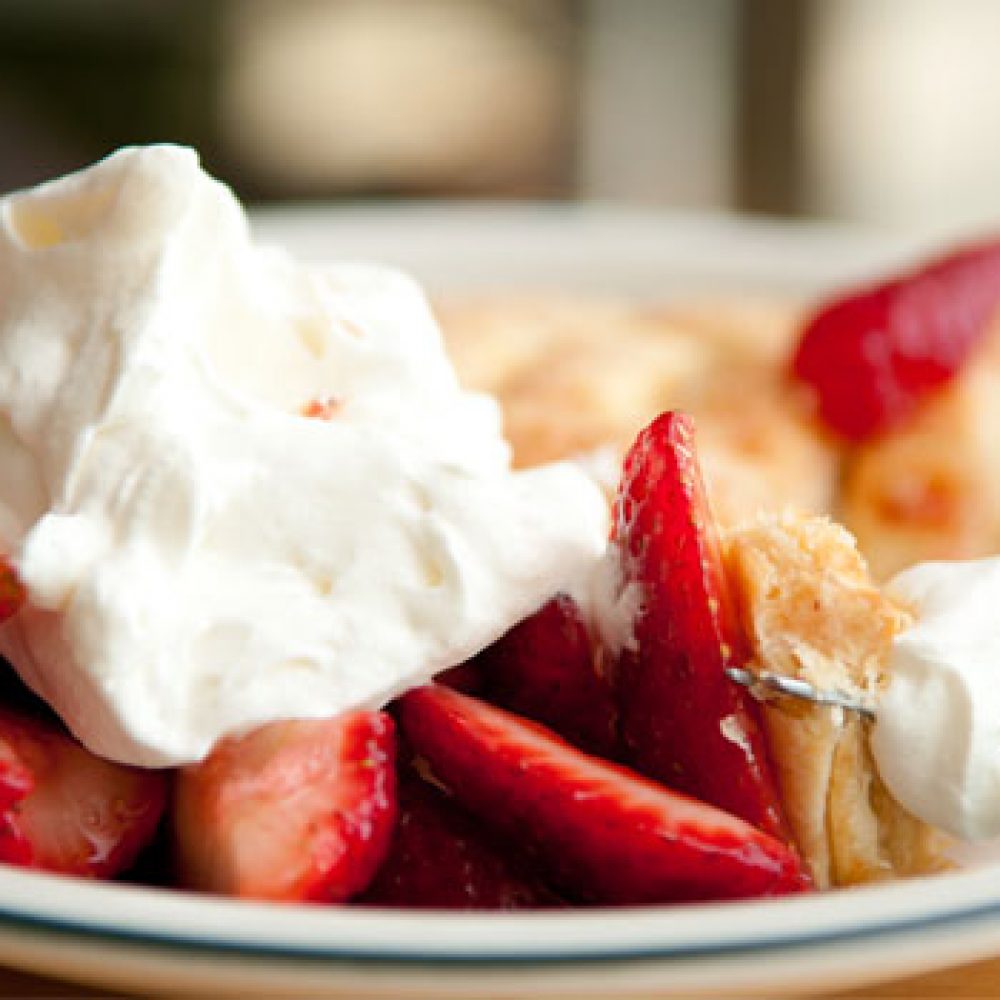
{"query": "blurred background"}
(879, 111)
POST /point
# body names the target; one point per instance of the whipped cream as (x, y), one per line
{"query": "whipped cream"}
(937, 739)
(200, 556)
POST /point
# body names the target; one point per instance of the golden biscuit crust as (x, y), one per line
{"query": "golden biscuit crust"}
(810, 610)
(575, 376)
(931, 489)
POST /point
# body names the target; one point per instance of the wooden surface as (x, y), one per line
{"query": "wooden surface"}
(980, 981)
(17, 984)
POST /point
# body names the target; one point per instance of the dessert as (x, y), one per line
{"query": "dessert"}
(254, 528)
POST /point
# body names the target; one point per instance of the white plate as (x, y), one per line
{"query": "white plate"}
(151, 941)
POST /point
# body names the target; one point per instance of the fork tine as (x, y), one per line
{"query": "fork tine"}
(764, 685)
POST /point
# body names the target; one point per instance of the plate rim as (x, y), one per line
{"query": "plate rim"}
(254, 940)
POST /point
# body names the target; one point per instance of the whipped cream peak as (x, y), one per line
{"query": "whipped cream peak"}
(937, 739)
(237, 488)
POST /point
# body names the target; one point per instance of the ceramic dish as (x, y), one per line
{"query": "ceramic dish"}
(155, 941)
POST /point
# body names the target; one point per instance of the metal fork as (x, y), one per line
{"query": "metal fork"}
(765, 684)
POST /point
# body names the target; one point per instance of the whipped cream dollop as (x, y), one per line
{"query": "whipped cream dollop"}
(936, 741)
(236, 488)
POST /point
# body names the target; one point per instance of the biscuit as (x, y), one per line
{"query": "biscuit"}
(577, 376)
(811, 611)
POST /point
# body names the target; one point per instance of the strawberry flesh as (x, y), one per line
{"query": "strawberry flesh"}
(296, 811)
(544, 668)
(683, 721)
(467, 677)
(11, 592)
(598, 832)
(63, 809)
(873, 355)
(441, 858)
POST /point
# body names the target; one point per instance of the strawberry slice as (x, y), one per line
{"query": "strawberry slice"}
(16, 781)
(598, 831)
(467, 677)
(11, 591)
(874, 354)
(63, 809)
(684, 722)
(441, 858)
(544, 668)
(298, 811)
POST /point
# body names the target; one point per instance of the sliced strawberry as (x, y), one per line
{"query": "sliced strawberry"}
(544, 668)
(65, 809)
(11, 591)
(292, 811)
(872, 355)
(441, 858)
(467, 677)
(599, 832)
(684, 722)
(16, 781)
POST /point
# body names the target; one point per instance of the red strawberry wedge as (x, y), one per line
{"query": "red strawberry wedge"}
(441, 858)
(874, 354)
(297, 811)
(598, 832)
(11, 591)
(683, 721)
(467, 677)
(544, 668)
(63, 809)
